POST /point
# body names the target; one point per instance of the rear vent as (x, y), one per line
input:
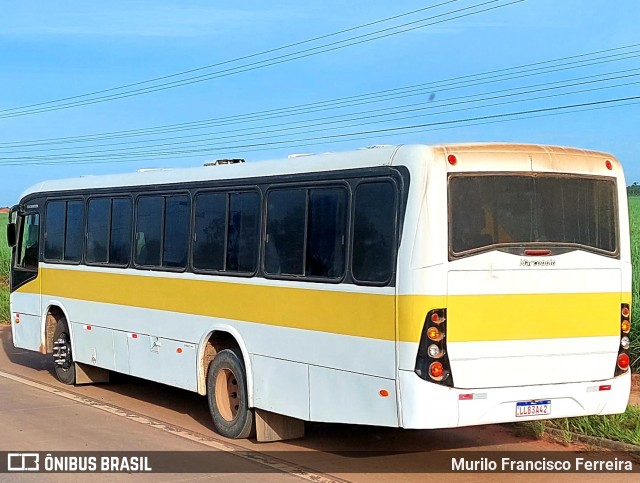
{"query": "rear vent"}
(219, 162)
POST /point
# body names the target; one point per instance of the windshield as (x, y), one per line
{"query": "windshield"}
(489, 210)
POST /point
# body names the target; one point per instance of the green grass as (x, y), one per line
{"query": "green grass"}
(5, 260)
(634, 226)
(623, 427)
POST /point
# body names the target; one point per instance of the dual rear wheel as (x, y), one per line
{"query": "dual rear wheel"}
(63, 364)
(227, 395)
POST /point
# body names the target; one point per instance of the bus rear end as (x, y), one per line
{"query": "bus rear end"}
(533, 318)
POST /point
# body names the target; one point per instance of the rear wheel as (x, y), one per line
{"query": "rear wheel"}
(227, 395)
(62, 357)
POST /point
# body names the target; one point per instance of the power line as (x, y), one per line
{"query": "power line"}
(218, 64)
(496, 118)
(488, 77)
(265, 63)
(421, 108)
(95, 158)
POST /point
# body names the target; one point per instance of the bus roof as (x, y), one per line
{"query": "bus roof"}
(381, 155)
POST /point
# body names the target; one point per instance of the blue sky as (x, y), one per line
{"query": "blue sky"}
(52, 50)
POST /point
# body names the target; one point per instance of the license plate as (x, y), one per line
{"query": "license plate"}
(533, 408)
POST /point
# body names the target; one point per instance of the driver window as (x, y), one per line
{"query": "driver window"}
(27, 256)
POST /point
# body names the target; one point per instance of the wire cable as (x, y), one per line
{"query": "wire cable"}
(496, 118)
(261, 64)
(471, 80)
(332, 121)
(114, 157)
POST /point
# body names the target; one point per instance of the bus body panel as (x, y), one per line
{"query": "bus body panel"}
(281, 386)
(26, 321)
(347, 397)
(427, 406)
(497, 339)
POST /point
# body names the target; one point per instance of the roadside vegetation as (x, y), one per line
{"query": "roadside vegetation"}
(618, 427)
(634, 224)
(624, 427)
(5, 256)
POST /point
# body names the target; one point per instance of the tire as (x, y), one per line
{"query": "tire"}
(227, 395)
(63, 363)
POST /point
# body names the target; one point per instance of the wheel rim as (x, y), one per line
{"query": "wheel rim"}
(227, 392)
(62, 352)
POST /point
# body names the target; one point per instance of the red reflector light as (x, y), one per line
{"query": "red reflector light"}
(608, 164)
(537, 253)
(435, 318)
(436, 370)
(625, 312)
(623, 361)
(88, 327)
(452, 159)
(604, 388)
(134, 336)
(465, 397)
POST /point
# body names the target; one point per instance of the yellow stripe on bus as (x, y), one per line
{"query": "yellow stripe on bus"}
(470, 317)
(516, 317)
(357, 314)
(525, 317)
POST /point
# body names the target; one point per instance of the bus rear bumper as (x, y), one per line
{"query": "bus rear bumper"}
(425, 405)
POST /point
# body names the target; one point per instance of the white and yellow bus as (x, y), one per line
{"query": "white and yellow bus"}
(403, 286)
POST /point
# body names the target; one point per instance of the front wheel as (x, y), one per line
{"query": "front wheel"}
(62, 358)
(227, 395)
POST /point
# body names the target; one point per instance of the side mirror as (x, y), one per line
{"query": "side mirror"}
(11, 234)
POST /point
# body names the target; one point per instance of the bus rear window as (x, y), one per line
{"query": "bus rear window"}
(501, 210)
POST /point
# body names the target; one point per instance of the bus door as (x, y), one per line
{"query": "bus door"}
(24, 234)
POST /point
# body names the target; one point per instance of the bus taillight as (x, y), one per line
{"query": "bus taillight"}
(432, 363)
(436, 371)
(623, 360)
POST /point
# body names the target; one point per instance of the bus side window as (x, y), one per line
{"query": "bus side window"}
(176, 231)
(120, 241)
(243, 232)
(284, 245)
(149, 217)
(64, 231)
(326, 232)
(98, 230)
(373, 232)
(28, 252)
(209, 228)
